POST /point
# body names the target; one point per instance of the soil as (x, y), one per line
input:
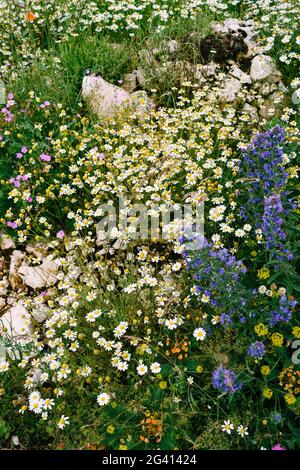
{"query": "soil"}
(220, 47)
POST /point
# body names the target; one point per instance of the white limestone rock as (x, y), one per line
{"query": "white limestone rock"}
(243, 77)
(207, 70)
(15, 325)
(263, 68)
(7, 243)
(40, 276)
(104, 98)
(231, 88)
(40, 313)
(296, 96)
(15, 262)
(38, 250)
(4, 284)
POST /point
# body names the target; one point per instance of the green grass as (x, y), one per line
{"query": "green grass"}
(59, 75)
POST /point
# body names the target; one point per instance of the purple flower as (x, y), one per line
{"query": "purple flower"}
(15, 182)
(60, 234)
(225, 380)
(225, 319)
(9, 117)
(272, 226)
(266, 202)
(276, 418)
(45, 157)
(12, 224)
(284, 312)
(256, 349)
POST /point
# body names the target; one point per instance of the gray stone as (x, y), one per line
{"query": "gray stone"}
(263, 67)
(233, 25)
(7, 243)
(173, 46)
(15, 325)
(15, 262)
(273, 106)
(231, 88)
(40, 313)
(130, 82)
(140, 78)
(243, 77)
(104, 98)
(40, 276)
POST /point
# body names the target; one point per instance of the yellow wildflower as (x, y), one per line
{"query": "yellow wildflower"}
(290, 398)
(267, 393)
(296, 331)
(265, 370)
(277, 339)
(261, 329)
(263, 273)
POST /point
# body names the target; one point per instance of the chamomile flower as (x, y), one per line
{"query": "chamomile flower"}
(242, 430)
(122, 366)
(4, 366)
(199, 334)
(120, 330)
(48, 404)
(171, 324)
(227, 427)
(142, 369)
(155, 368)
(36, 406)
(63, 421)
(103, 399)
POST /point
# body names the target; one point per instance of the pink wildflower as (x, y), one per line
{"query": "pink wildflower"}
(45, 157)
(60, 234)
(278, 447)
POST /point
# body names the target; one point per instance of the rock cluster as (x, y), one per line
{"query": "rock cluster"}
(106, 99)
(230, 49)
(233, 26)
(20, 272)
